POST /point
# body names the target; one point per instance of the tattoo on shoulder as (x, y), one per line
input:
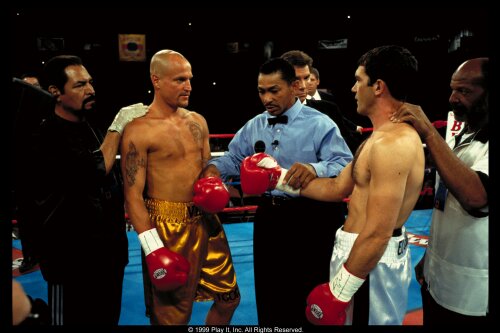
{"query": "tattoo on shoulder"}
(132, 163)
(195, 130)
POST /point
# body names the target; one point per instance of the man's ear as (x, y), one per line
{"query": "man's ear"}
(54, 91)
(379, 86)
(155, 79)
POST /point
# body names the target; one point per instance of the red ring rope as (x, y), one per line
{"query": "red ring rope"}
(437, 124)
(221, 136)
(425, 191)
(239, 209)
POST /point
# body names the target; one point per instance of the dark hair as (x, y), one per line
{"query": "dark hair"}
(54, 71)
(278, 65)
(485, 70)
(29, 74)
(314, 71)
(395, 65)
(297, 58)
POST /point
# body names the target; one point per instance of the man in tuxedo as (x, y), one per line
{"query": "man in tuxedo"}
(312, 88)
(302, 64)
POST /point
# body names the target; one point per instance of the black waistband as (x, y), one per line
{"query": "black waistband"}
(395, 233)
(276, 200)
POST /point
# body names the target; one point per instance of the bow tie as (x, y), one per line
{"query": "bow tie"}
(278, 120)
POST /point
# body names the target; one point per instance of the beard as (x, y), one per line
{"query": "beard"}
(459, 111)
(476, 112)
(85, 110)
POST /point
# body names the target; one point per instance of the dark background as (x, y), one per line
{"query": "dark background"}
(93, 35)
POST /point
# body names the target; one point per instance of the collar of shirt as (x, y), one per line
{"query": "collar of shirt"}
(291, 112)
(324, 148)
(481, 135)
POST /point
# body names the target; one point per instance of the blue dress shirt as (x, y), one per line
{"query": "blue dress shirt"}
(309, 137)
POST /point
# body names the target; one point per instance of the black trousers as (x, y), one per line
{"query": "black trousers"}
(88, 299)
(29, 231)
(28, 234)
(436, 315)
(282, 239)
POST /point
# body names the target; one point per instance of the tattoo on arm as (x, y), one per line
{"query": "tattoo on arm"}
(132, 163)
(196, 132)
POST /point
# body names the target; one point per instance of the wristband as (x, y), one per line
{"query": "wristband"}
(285, 187)
(344, 285)
(150, 241)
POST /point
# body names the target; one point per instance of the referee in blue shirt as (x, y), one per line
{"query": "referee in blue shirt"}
(308, 143)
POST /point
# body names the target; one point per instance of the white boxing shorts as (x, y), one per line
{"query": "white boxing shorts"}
(388, 282)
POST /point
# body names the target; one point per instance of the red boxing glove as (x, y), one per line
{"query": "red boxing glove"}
(260, 173)
(327, 303)
(323, 308)
(167, 270)
(210, 194)
(257, 180)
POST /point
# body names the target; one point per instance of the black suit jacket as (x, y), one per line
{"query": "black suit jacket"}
(326, 96)
(347, 128)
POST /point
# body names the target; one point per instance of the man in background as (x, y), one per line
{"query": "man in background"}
(312, 88)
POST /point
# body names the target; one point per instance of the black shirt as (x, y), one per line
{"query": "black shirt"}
(78, 209)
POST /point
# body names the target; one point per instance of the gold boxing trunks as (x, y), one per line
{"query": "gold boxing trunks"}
(200, 238)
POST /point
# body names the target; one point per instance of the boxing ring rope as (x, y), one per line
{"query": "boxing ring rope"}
(239, 209)
(425, 191)
(437, 124)
(221, 136)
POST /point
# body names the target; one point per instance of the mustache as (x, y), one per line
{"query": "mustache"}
(458, 107)
(89, 99)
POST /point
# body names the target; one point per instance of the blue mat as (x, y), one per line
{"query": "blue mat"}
(133, 308)
(241, 244)
(418, 224)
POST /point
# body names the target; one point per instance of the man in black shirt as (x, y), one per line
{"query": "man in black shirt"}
(74, 195)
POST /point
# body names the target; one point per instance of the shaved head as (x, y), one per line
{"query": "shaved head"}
(469, 95)
(161, 60)
(472, 70)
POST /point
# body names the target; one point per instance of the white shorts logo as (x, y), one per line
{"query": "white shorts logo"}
(16, 263)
